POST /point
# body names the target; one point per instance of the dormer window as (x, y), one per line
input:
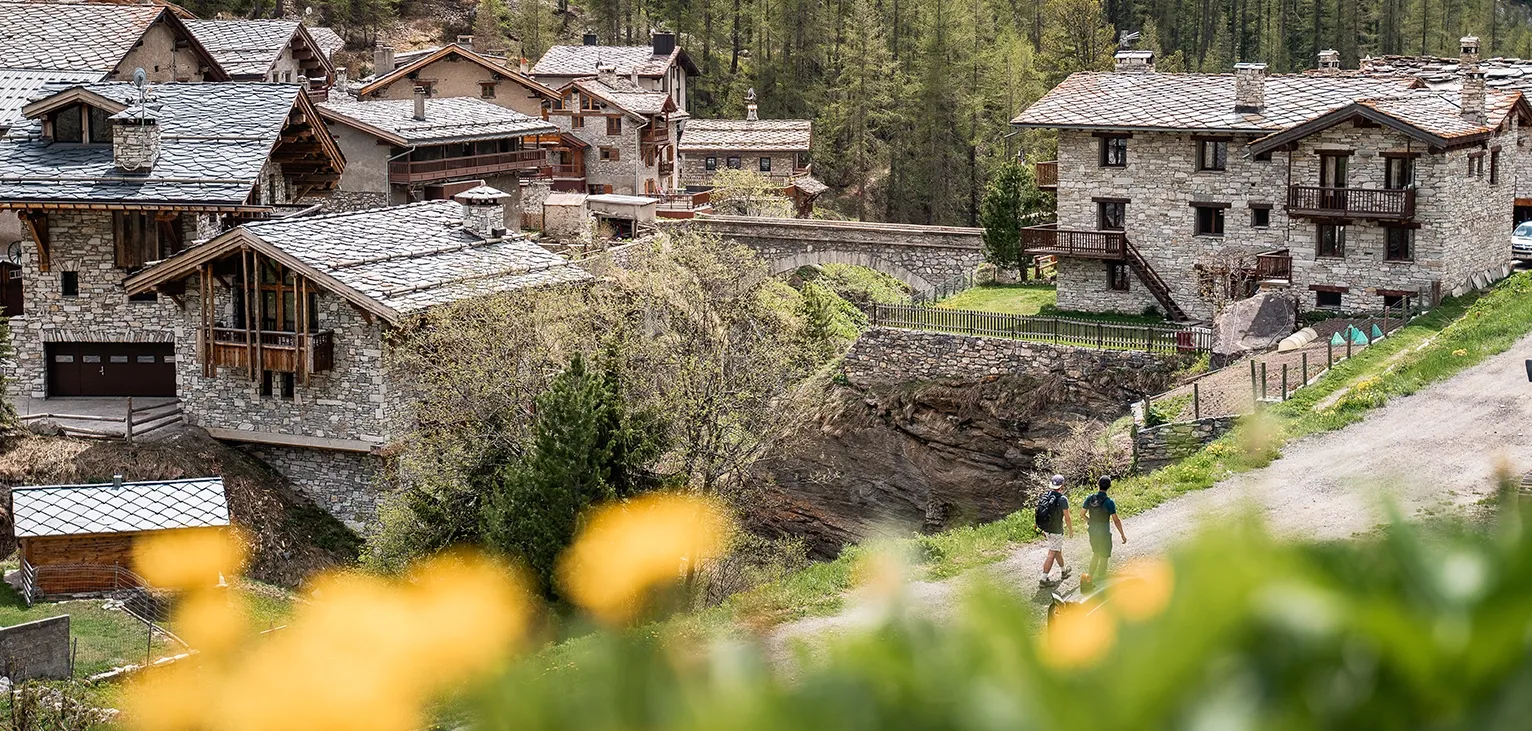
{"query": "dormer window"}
(82, 123)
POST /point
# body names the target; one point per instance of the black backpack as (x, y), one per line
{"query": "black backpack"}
(1093, 502)
(1047, 504)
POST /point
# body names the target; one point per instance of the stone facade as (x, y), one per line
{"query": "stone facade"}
(693, 165)
(453, 75)
(349, 485)
(1157, 446)
(628, 174)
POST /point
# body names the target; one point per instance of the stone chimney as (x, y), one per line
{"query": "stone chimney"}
(524, 66)
(382, 60)
(750, 115)
(1469, 58)
(664, 43)
(483, 211)
(606, 73)
(591, 40)
(420, 103)
(1472, 96)
(135, 139)
(1134, 62)
(340, 76)
(466, 41)
(1329, 61)
(1249, 87)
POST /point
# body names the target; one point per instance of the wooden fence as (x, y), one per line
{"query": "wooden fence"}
(135, 421)
(1055, 330)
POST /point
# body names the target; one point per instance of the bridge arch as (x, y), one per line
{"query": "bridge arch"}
(914, 281)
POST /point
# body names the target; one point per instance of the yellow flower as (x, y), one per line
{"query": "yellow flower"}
(629, 548)
(1078, 637)
(189, 559)
(1147, 592)
(1460, 352)
(210, 622)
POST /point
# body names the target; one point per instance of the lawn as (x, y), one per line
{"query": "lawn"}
(106, 638)
(1010, 299)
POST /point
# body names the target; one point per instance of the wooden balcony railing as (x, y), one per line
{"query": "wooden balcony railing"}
(1306, 200)
(655, 135)
(684, 200)
(1274, 266)
(667, 167)
(465, 167)
(567, 171)
(1046, 173)
(279, 351)
(1078, 244)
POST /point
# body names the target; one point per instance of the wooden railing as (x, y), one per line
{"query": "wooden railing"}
(654, 135)
(1056, 330)
(1049, 239)
(684, 199)
(1046, 173)
(1306, 200)
(459, 167)
(567, 171)
(280, 351)
(1274, 265)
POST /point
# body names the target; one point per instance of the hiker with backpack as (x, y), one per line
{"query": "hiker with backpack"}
(1052, 518)
(1100, 514)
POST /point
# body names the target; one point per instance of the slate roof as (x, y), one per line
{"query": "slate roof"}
(327, 39)
(18, 86)
(582, 60)
(1195, 102)
(1440, 113)
(65, 510)
(71, 37)
(448, 119)
(1446, 73)
(244, 47)
(215, 138)
(624, 94)
(764, 135)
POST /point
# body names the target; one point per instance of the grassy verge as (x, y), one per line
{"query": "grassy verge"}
(105, 638)
(1010, 299)
(1460, 333)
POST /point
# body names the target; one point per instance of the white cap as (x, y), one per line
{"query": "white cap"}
(1058, 480)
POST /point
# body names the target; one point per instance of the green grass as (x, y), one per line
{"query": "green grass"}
(1461, 332)
(105, 638)
(1104, 316)
(1010, 299)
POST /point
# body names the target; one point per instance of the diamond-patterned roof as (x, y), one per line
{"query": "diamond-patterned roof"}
(448, 119)
(65, 510)
(71, 37)
(764, 135)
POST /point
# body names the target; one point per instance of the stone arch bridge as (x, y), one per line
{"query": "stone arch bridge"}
(920, 256)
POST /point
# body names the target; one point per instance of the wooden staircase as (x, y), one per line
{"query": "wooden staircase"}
(1157, 286)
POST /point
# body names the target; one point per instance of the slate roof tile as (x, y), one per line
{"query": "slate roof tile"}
(63, 510)
(582, 60)
(448, 119)
(766, 135)
(244, 47)
(622, 92)
(18, 86)
(70, 37)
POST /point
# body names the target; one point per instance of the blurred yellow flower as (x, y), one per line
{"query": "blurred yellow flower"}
(1147, 592)
(1460, 352)
(630, 548)
(210, 622)
(1367, 384)
(189, 559)
(1078, 637)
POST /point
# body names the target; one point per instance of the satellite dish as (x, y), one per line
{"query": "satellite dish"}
(13, 253)
(140, 79)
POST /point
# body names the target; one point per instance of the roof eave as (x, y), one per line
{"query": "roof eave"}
(1338, 116)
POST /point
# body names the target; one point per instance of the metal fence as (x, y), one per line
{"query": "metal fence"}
(150, 605)
(1056, 330)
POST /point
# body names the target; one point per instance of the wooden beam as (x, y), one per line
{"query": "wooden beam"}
(37, 223)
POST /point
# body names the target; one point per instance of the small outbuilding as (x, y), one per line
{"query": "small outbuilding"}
(625, 214)
(565, 216)
(78, 539)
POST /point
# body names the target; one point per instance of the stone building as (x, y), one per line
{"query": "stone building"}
(456, 71)
(399, 151)
(1182, 191)
(630, 134)
(286, 327)
(108, 178)
(265, 50)
(775, 148)
(111, 40)
(660, 66)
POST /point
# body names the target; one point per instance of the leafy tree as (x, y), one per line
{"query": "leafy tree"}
(489, 25)
(748, 193)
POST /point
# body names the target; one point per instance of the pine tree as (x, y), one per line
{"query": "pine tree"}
(1001, 215)
(1076, 37)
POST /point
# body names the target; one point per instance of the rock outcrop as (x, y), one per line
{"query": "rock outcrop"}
(1252, 325)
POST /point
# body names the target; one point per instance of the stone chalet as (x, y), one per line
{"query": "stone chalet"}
(285, 327)
(398, 151)
(629, 131)
(108, 178)
(660, 66)
(1179, 191)
(456, 71)
(110, 40)
(265, 50)
(776, 148)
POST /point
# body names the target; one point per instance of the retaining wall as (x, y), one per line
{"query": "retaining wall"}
(1157, 446)
(36, 650)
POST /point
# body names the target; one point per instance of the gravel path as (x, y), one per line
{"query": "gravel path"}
(1435, 449)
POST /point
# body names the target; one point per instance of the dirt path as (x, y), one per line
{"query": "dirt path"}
(1435, 449)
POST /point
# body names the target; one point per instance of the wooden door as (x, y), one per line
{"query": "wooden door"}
(111, 369)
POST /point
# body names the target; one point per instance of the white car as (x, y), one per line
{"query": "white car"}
(1521, 242)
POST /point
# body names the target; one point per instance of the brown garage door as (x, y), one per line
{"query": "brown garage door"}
(111, 369)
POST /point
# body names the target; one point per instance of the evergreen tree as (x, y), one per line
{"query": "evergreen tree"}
(1001, 215)
(1076, 37)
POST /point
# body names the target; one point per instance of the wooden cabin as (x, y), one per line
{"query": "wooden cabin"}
(78, 539)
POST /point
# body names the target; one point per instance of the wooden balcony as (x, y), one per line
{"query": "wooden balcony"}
(667, 168)
(655, 135)
(1274, 266)
(1306, 200)
(279, 351)
(1046, 174)
(1073, 243)
(471, 166)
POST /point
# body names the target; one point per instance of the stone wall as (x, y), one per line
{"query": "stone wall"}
(693, 165)
(349, 485)
(342, 201)
(454, 76)
(162, 55)
(1157, 446)
(884, 356)
(36, 650)
(919, 256)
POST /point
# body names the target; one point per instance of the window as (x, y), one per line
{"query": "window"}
(1398, 172)
(1476, 165)
(710, 163)
(1111, 215)
(68, 126)
(1494, 166)
(613, 126)
(1209, 220)
(765, 164)
(487, 89)
(587, 102)
(69, 284)
(144, 297)
(1391, 301)
(1333, 169)
(1331, 240)
(1262, 156)
(1398, 243)
(611, 154)
(1114, 152)
(1212, 154)
(1260, 216)
(576, 121)
(1327, 300)
(733, 162)
(100, 128)
(1117, 276)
